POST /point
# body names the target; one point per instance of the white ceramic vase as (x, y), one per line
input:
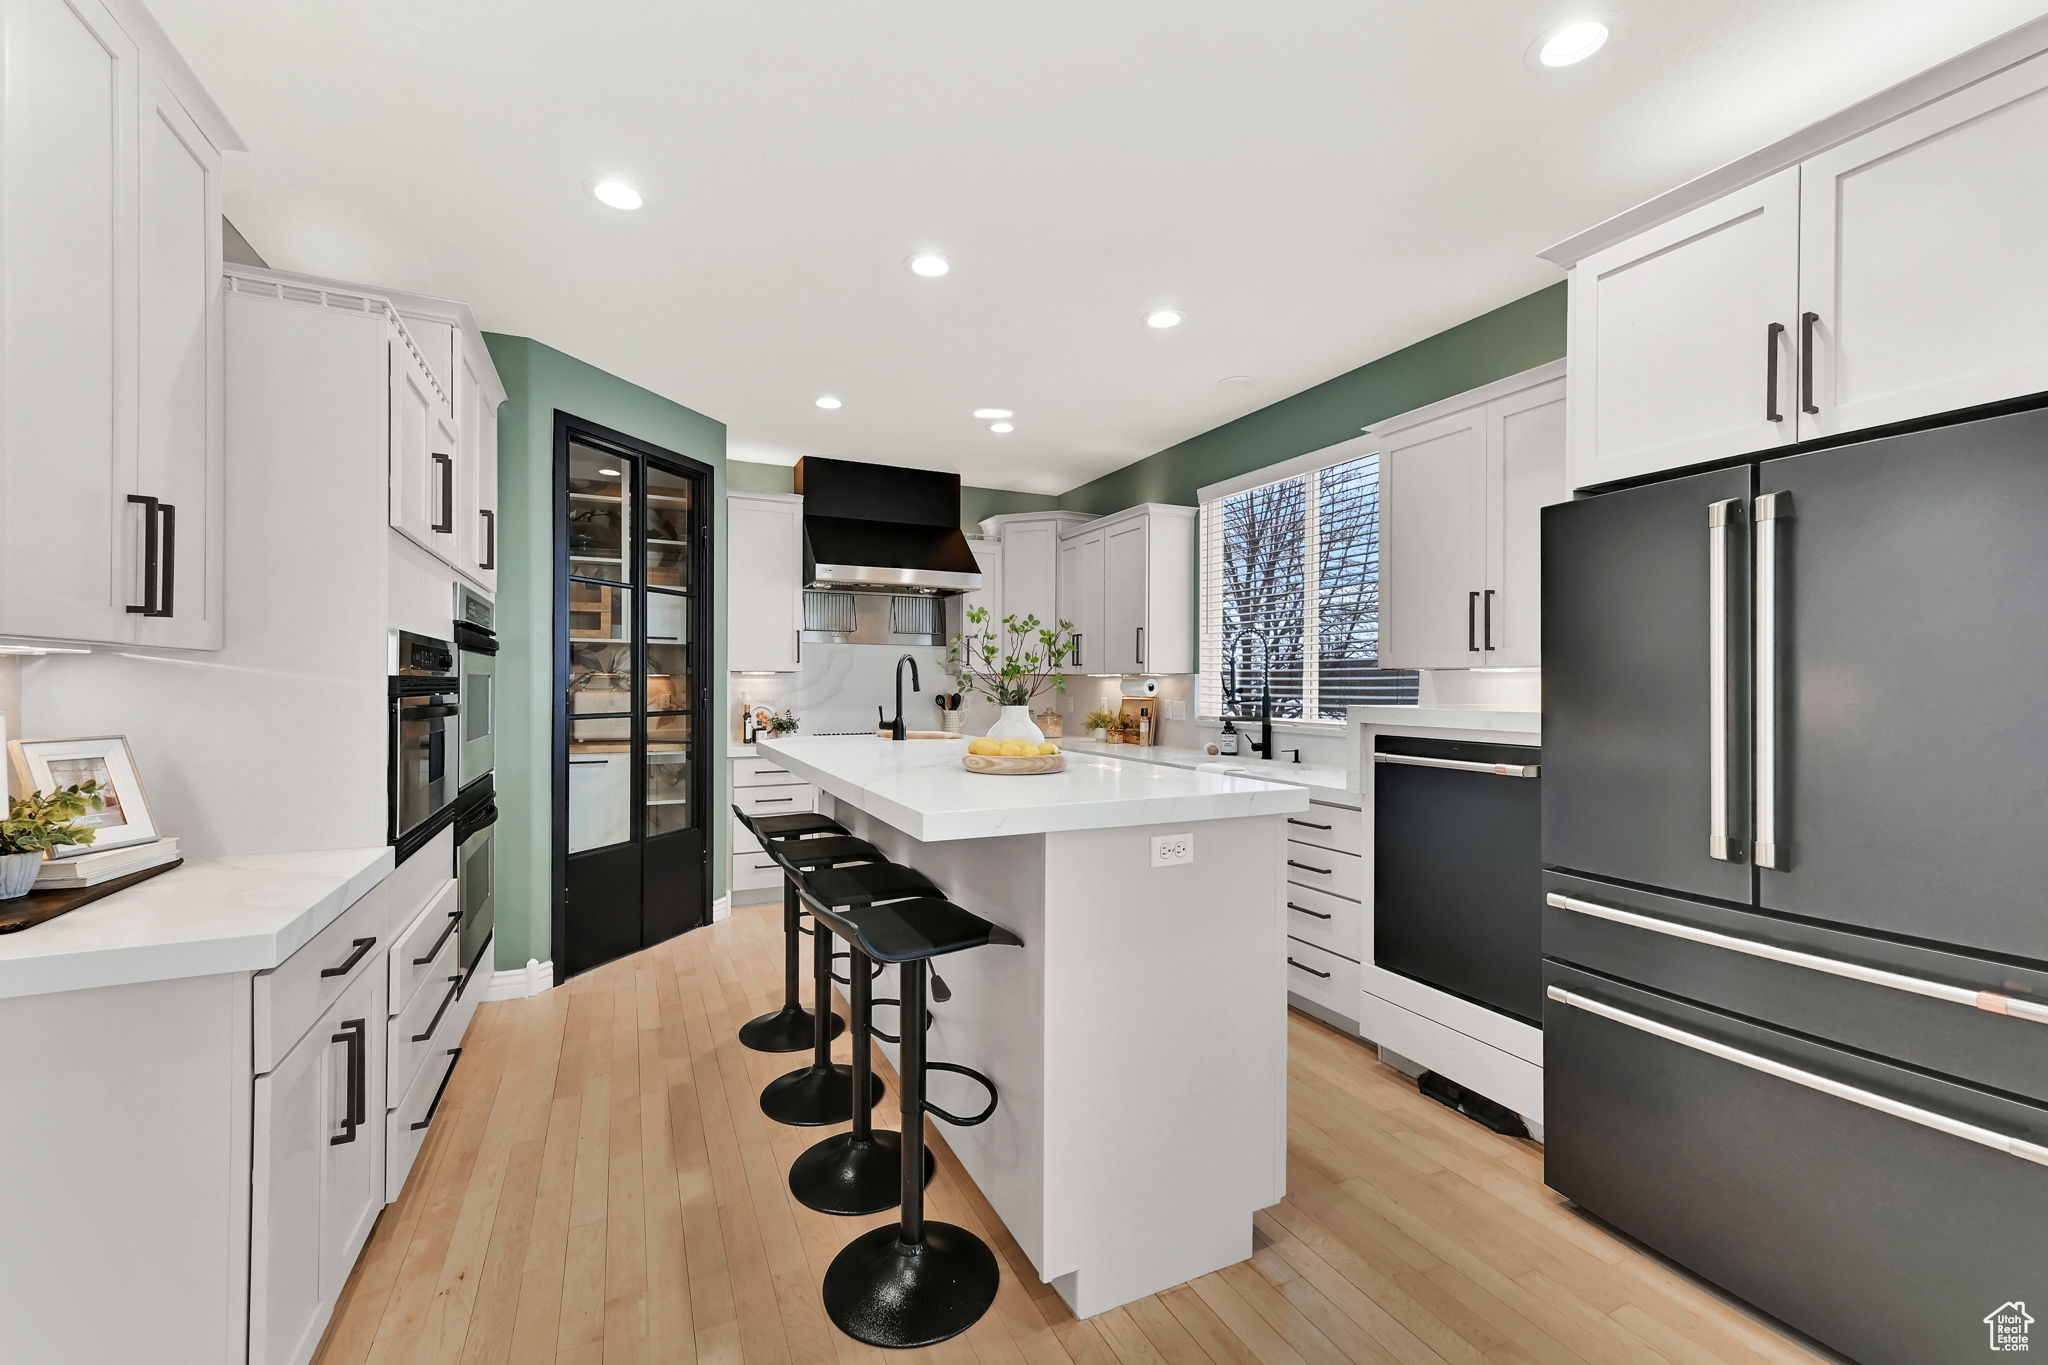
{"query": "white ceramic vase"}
(1017, 724)
(17, 874)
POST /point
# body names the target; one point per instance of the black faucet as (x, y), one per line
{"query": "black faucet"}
(1263, 745)
(896, 728)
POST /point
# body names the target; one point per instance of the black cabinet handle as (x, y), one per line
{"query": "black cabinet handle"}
(1806, 326)
(1472, 622)
(454, 918)
(1077, 649)
(490, 538)
(454, 1055)
(1141, 646)
(1310, 970)
(454, 989)
(1305, 824)
(150, 605)
(588, 762)
(1319, 914)
(362, 945)
(445, 524)
(170, 560)
(772, 800)
(351, 1036)
(1771, 336)
(1487, 609)
(1306, 868)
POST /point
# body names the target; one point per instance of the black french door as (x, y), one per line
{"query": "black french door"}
(633, 584)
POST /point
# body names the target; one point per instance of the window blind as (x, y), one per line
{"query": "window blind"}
(1290, 571)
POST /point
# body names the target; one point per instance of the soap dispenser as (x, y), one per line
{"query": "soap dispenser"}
(1226, 743)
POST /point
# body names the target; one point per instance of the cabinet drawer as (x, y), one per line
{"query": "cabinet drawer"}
(1325, 920)
(780, 800)
(1340, 874)
(1322, 978)
(755, 871)
(417, 946)
(762, 772)
(743, 840)
(424, 1025)
(1335, 827)
(406, 1126)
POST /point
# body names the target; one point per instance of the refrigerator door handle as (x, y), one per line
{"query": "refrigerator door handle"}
(1991, 1002)
(1721, 519)
(1811, 1080)
(1773, 510)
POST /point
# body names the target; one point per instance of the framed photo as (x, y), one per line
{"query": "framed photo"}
(46, 764)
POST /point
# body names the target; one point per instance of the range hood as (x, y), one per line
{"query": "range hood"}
(876, 528)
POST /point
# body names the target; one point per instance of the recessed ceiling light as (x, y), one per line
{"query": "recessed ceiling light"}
(929, 264)
(1165, 317)
(616, 193)
(1236, 381)
(608, 473)
(993, 414)
(1572, 43)
(826, 401)
(1001, 428)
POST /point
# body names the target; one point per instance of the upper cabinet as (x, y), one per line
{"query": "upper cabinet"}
(1461, 486)
(111, 454)
(1029, 555)
(764, 585)
(444, 460)
(1079, 594)
(1135, 576)
(477, 527)
(1878, 267)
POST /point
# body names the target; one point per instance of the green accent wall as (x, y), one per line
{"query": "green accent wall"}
(539, 381)
(1512, 338)
(745, 476)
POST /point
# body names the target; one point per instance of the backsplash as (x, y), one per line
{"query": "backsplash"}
(839, 687)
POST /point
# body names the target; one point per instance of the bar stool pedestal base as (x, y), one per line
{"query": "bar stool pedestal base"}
(815, 1096)
(848, 1175)
(884, 1293)
(789, 1029)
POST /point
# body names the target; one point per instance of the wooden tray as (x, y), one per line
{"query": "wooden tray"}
(24, 912)
(1017, 766)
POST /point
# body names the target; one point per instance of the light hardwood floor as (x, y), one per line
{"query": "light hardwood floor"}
(601, 1187)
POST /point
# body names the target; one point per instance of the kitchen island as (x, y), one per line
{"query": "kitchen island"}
(1138, 1037)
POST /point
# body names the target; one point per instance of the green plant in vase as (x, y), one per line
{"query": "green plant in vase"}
(1101, 722)
(37, 823)
(1010, 662)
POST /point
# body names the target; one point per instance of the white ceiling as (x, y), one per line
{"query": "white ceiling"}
(1315, 182)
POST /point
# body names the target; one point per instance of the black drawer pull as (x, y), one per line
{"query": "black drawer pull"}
(1305, 824)
(454, 918)
(362, 945)
(1310, 970)
(454, 1053)
(454, 989)
(1324, 871)
(772, 800)
(352, 1037)
(1319, 914)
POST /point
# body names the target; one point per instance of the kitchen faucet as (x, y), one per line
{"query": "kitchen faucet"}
(896, 728)
(1263, 745)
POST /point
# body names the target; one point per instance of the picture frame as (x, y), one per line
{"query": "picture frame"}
(47, 764)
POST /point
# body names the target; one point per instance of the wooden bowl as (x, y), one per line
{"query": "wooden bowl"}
(1015, 766)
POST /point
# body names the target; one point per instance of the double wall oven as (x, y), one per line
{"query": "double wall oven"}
(426, 706)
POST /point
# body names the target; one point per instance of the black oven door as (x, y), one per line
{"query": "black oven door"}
(424, 716)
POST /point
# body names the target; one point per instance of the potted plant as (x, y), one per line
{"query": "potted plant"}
(37, 823)
(1101, 722)
(1010, 663)
(782, 723)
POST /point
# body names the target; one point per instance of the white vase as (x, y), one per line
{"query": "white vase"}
(1017, 724)
(18, 874)
(1099, 734)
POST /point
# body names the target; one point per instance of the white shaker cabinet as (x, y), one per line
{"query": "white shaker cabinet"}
(988, 558)
(1148, 591)
(110, 348)
(477, 520)
(1923, 285)
(764, 592)
(1681, 338)
(1079, 597)
(1461, 487)
(422, 454)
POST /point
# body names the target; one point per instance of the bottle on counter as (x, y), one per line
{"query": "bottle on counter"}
(1144, 725)
(1226, 743)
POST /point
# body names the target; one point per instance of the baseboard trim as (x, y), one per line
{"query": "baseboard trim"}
(520, 982)
(721, 908)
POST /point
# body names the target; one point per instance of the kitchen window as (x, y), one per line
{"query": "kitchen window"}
(1296, 561)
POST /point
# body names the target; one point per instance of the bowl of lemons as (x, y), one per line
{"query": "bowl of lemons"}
(1013, 757)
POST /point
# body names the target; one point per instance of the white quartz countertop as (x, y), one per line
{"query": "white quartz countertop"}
(1324, 784)
(1520, 720)
(238, 914)
(920, 787)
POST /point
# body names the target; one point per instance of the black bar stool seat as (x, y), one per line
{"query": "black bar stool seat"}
(919, 1282)
(823, 1092)
(791, 1028)
(832, 850)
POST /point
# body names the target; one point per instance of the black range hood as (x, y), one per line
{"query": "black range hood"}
(877, 528)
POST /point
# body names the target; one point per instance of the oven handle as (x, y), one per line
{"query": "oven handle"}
(1462, 766)
(1868, 1099)
(1991, 1002)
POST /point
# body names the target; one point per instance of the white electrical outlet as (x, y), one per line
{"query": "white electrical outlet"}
(1173, 850)
(1176, 709)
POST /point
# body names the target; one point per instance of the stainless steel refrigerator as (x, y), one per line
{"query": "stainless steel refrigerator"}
(1795, 837)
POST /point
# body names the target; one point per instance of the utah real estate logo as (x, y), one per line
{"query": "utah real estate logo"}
(2007, 1325)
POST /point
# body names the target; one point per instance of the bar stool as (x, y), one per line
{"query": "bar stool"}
(822, 1092)
(919, 1282)
(858, 1171)
(788, 1029)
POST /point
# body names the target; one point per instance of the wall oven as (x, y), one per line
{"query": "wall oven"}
(476, 642)
(476, 816)
(426, 697)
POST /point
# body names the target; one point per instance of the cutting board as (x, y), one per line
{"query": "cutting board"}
(1136, 707)
(27, 911)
